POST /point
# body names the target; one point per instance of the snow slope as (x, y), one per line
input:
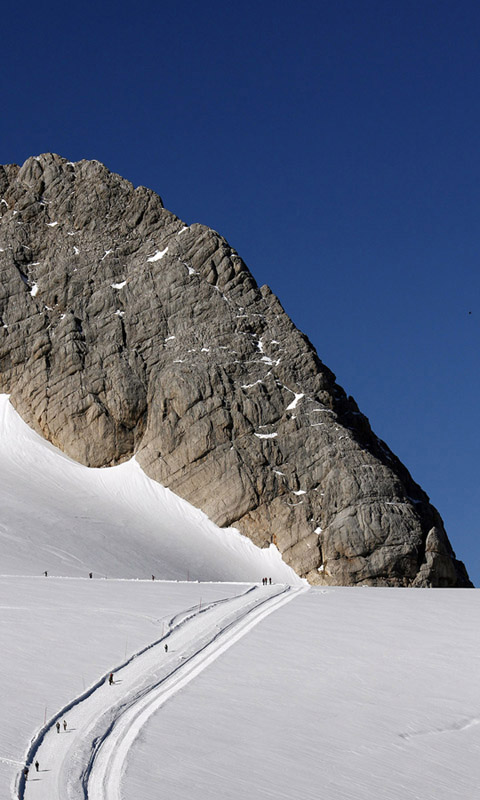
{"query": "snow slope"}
(59, 516)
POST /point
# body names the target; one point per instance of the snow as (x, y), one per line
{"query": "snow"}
(51, 224)
(295, 401)
(250, 385)
(266, 435)
(34, 290)
(158, 255)
(118, 285)
(119, 313)
(300, 491)
(182, 230)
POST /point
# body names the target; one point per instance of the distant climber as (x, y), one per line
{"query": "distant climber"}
(110, 678)
(58, 727)
(45, 573)
(153, 577)
(64, 724)
(37, 765)
(166, 648)
(90, 574)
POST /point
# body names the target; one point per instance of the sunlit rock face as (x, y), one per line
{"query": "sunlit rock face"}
(123, 330)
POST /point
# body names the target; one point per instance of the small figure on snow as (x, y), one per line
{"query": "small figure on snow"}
(45, 573)
(37, 765)
(25, 773)
(58, 727)
(90, 574)
(270, 581)
(166, 648)
(110, 678)
(64, 724)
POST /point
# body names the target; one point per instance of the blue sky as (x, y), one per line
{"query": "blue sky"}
(334, 145)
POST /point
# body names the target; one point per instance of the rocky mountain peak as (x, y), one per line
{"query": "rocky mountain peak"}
(124, 331)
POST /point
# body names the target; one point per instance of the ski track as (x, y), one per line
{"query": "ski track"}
(87, 761)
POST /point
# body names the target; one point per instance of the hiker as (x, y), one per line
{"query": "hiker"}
(25, 773)
(45, 573)
(110, 678)
(153, 577)
(64, 724)
(58, 727)
(270, 581)
(166, 648)
(90, 574)
(37, 765)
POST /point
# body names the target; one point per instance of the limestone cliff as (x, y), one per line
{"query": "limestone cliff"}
(123, 330)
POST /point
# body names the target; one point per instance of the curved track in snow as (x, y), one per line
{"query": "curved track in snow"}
(86, 762)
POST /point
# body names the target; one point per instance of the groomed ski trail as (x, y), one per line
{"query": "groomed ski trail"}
(88, 760)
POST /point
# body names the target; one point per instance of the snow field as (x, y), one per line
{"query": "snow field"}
(67, 519)
(343, 694)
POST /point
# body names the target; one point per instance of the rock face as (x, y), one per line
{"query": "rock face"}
(124, 331)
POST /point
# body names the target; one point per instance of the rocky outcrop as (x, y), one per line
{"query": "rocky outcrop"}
(124, 331)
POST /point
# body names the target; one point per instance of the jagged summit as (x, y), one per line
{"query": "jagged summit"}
(123, 330)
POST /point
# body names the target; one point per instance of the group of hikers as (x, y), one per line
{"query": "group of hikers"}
(26, 770)
(266, 581)
(90, 574)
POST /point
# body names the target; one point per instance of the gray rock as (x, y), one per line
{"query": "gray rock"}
(124, 331)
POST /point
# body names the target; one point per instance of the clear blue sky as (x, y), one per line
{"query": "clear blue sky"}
(334, 144)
